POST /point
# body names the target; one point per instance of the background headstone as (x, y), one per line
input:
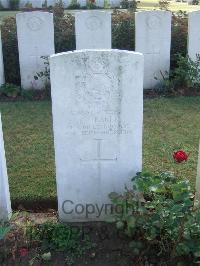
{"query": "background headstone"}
(2, 77)
(5, 205)
(93, 30)
(193, 35)
(97, 102)
(153, 39)
(5, 3)
(35, 31)
(99, 3)
(34, 3)
(115, 3)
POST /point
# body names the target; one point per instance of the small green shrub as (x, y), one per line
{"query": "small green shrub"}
(159, 218)
(74, 5)
(10, 50)
(163, 4)
(186, 75)
(91, 4)
(126, 4)
(10, 90)
(64, 26)
(4, 229)
(14, 4)
(195, 2)
(179, 36)
(123, 30)
(59, 237)
(28, 5)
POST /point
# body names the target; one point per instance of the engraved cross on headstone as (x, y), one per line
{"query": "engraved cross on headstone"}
(36, 57)
(99, 159)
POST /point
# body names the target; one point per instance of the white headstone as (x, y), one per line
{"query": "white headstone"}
(2, 77)
(97, 98)
(99, 3)
(93, 30)
(51, 2)
(115, 3)
(5, 3)
(37, 3)
(153, 39)
(35, 32)
(193, 35)
(5, 205)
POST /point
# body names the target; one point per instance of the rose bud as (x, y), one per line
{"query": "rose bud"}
(23, 252)
(180, 156)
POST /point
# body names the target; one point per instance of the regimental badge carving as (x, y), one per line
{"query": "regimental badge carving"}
(93, 23)
(35, 23)
(153, 22)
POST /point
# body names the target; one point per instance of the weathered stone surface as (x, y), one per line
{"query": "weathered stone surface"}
(97, 102)
(194, 35)
(5, 205)
(153, 39)
(35, 32)
(93, 30)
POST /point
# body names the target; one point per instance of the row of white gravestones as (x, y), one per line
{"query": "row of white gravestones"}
(5, 205)
(97, 102)
(40, 3)
(93, 31)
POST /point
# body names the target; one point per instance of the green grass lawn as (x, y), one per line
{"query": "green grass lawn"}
(169, 124)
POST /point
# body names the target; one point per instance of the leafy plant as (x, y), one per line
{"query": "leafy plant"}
(91, 4)
(14, 4)
(185, 75)
(59, 237)
(123, 29)
(10, 50)
(126, 4)
(163, 4)
(4, 229)
(195, 2)
(74, 5)
(106, 4)
(10, 90)
(179, 36)
(159, 217)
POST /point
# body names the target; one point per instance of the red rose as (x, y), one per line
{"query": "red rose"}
(23, 252)
(180, 156)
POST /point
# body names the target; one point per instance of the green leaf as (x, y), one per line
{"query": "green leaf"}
(46, 256)
(120, 225)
